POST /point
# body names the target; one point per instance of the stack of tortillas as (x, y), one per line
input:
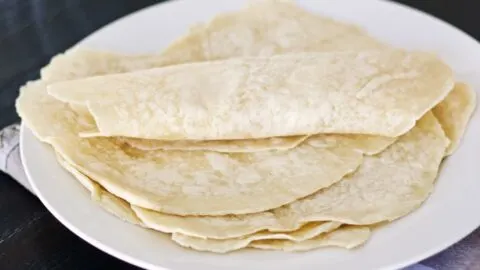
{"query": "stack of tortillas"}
(270, 128)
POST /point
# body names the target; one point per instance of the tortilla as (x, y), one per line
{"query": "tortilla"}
(366, 144)
(225, 146)
(363, 143)
(386, 186)
(308, 231)
(230, 146)
(79, 62)
(312, 235)
(121, 209)
(265, 28)
(324, 34)
(116, 63)
(185, 182)
(454, 113)
(283, 95)
(346, 237)
(111, 203)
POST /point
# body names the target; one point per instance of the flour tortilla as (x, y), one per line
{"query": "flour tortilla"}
(310, 236)
(283, 95)
(367, 144)
(305, 238)
(266, 28)
(185, 182)
(111, 203)
(121, 209)
(363, 143)
(345, 237)
(274, 32)
(261, 245)
(308, 231)
(386, 186)
(262, 29)
(225, 146)
(79, 62)
(454, 113)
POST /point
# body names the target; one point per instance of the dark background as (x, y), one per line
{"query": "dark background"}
(31, 32)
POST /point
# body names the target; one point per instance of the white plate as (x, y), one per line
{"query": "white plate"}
(451, 213)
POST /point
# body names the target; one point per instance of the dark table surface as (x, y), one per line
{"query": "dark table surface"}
(31, 32)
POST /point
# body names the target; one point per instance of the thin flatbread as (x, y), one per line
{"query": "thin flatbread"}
(307, 232)
(346, 237)
(370, 195)
(283, 95)
(274, 32)
(79, 62)
(223, 146)
(265, 28)
(310, 236)
(454, 113)
(359, 142)
(261, 29)
(111, 203)
(122, 210)
(363, 143)
(185, 182)
(367, 144)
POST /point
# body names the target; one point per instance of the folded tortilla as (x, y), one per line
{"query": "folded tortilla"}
(375, 92)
